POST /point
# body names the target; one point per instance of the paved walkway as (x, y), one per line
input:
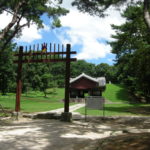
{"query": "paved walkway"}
(60, 110)
(77, 106)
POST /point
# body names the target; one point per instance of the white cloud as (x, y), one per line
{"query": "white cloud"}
(5, 19)
(28, 34)
(32, 33)
(93, 50)
(88, 31)
(110, 60)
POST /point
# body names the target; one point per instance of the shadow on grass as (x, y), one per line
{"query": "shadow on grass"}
(134, 109)
(123, 93)
(39, 96)
(34, 97)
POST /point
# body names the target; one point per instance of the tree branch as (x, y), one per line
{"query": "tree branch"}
(17, 28)
(13, 21)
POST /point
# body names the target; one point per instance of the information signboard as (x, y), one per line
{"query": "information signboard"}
(95, 102)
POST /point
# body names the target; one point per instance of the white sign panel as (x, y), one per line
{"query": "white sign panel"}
(95, 102)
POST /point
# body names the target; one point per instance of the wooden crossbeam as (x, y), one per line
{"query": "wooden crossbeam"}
(45, 60)
(42, 53)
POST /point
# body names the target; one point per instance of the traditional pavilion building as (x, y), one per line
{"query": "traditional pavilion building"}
(84, 85)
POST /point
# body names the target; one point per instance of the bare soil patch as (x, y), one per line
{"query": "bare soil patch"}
(134, 141)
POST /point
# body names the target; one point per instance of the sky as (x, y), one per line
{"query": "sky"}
(88, 35)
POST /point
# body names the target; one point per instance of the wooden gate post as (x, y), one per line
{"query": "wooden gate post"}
(19, 82)
(67, 80)
(66, 116)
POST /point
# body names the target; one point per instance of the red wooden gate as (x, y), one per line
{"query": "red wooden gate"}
(48, 53)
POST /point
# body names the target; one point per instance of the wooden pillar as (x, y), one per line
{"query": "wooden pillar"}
(19, 82)
(67, 80)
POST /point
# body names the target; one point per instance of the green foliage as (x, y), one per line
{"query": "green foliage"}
(7, 74)
(30, 10)
(31, 13)
(131, 45)
(100, 70)
(82, 66)
(56, 23)
(104, 70)
(97, 7)
(42, 76)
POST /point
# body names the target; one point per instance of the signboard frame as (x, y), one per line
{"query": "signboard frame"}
(95, 103)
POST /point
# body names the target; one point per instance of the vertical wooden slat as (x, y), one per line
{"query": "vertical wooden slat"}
(30, 47)
(54, 50)
(41, 50)
(46, 51)
(37, 47)
(58, 51)
(33, 51)
(62, 50)
(67, 78)
(30, 54)
(26, 49)
(34, 47)
(19, 82)
(37, 51)
(50, 50)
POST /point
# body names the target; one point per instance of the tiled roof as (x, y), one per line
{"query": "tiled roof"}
(100, 80)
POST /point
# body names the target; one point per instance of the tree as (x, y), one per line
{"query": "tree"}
(58, 73)
(30, 11)
(32, 75)
(107, 71)
(7, 71)
(99, 7)
(82, 66)
(131, 46)
(45, 78)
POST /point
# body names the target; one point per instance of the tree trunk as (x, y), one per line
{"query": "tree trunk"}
(147, 13)
(45, 94)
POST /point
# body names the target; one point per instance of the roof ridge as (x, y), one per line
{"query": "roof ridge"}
(83, 75)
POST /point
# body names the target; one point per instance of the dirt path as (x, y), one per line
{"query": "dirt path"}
(46, 135)
(56, 135)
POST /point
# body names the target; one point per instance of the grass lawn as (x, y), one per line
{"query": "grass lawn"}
(119, 110)
(116, 93)
(34, 101)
